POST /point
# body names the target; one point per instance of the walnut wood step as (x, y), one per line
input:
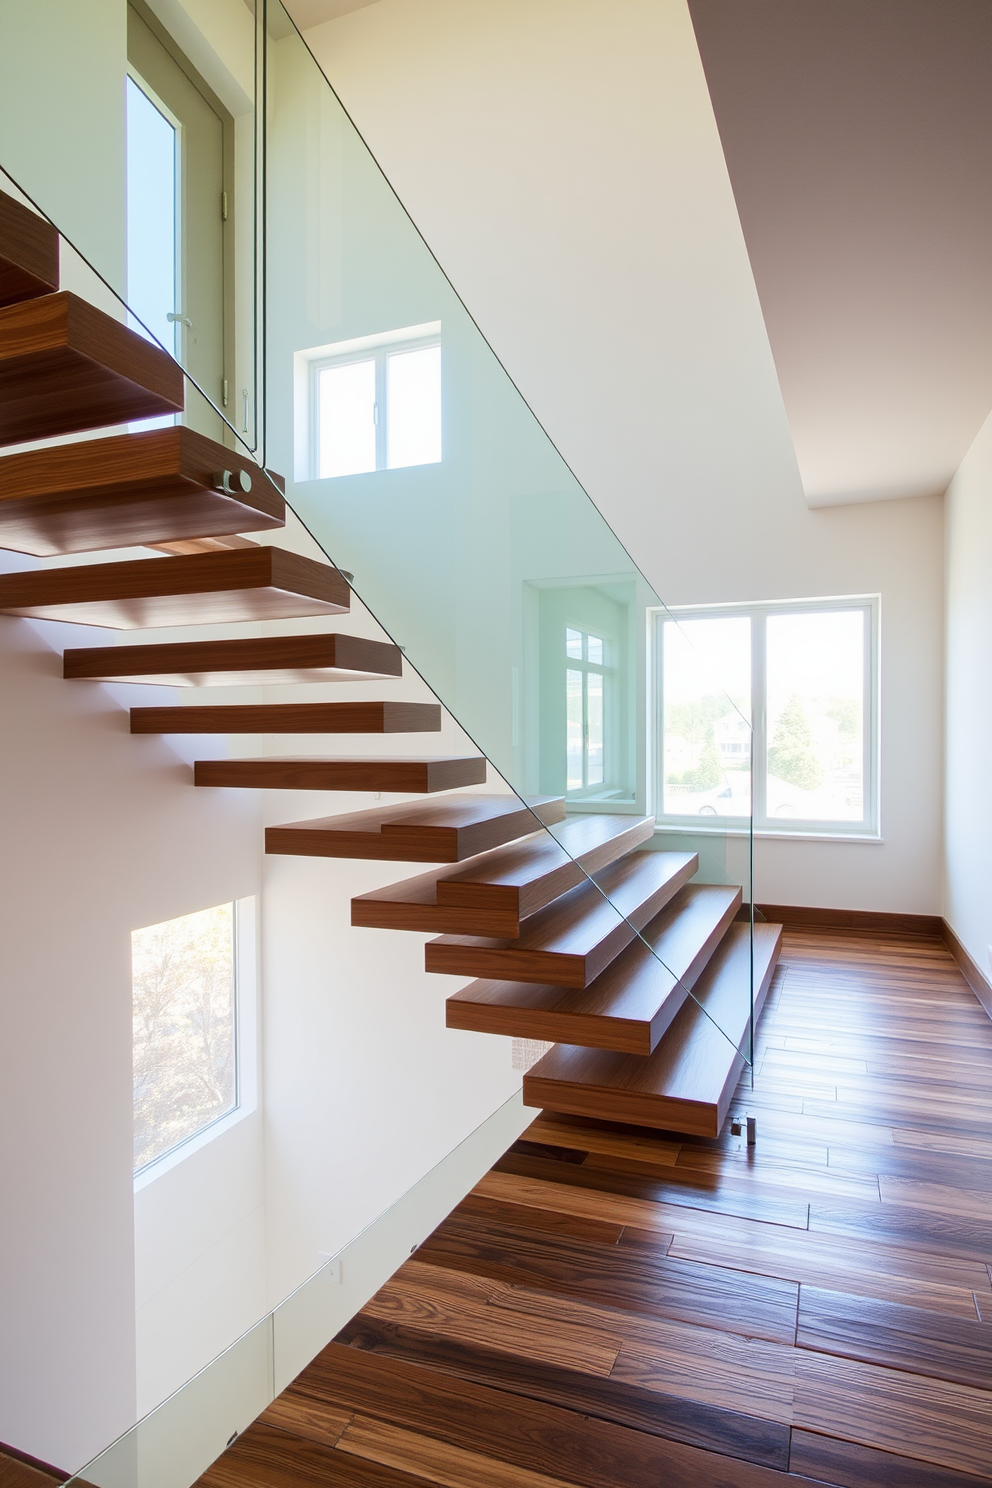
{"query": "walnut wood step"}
(157, 485)
(242, 584)
(494, 893)
(29, 253)
(401, 776)
(631, 1004)
(66, 366)
(687, 1084)
(447, 831)
(572, 940)
(304, 658)
(291, 718)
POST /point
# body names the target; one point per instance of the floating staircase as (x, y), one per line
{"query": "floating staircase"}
(638, 976)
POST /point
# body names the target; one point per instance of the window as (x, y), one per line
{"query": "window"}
(378, 408)
(185, 1009)
(585, 685)
(804, 675)
(153, 289)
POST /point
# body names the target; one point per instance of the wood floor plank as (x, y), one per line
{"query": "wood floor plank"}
(758, 1305)
(301, 1418)
(940, 1232)
(850, 1465)
(667, 1415)
(772, 1209)
(937, 1198)
(437, 1462)
(416, 1306)
(933, 1420)
(264, 1457)
(521, 1432)
(596, 1231)
(899, 1337)
(706, 1364)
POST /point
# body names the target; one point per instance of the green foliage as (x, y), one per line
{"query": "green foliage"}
(847, 713)
(791, 756)
(694, 721)
(706, 775)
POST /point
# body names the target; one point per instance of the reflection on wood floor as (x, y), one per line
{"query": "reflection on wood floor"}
(618, 1308)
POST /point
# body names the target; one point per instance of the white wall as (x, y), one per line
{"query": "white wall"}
(102, 833)
(562, 161)
(968, 887)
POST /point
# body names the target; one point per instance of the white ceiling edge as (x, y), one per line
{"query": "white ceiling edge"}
(906, 491)
(309, 13)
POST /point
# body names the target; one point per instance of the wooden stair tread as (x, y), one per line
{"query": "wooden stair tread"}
(494, 893)
(314, 772)
(572, 940)
(132, 490)
(29, 253)
(65, 366)
(688, 1082)
(631, 1004)
(447, 831)
(204, 588)
(304, 658)
(291, 718)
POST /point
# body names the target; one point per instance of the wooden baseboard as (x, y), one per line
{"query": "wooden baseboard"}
(19, 1470)
(970, 970)
(875, 922)
(852, 919)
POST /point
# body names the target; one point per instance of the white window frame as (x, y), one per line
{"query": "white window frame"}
(245, 1050)
(379, 352)
(868, 829)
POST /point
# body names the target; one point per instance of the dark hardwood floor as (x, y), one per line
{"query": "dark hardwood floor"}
(614, 1307)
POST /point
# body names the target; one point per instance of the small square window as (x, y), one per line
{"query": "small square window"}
(377, 407)
(184, 988)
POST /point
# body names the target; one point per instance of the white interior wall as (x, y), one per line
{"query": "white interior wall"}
(562, 161)
(103, 834)
(968, 885)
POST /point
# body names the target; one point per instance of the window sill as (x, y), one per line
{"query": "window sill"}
(171, 1159)
(689, 829)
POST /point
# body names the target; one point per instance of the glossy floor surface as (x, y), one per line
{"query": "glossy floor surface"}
(617, 1308)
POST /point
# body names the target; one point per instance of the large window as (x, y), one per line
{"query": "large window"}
(378, 409)
(185, 983)
(772, 708)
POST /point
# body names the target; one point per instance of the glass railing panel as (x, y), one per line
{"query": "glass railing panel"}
(418, 466)
(142, 146)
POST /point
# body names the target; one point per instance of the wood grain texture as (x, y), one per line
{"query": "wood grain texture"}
(687, 1084)
(514, 1430)
(291, 718)
(242, 584)
(65, 366)
(153, 486)
(899, 1337)
(675, 1417)
(437, 1462)
(306, 839)
(501, 889)
(571, 941)
(914, 1415)
(29, 253)
(444, 832)
(631, 1004)
(266, 1457)
(850, 1465)
(810, 1336)
(251, 660)
(21, 1470)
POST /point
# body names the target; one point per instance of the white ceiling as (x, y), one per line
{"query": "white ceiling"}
(858, 136)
